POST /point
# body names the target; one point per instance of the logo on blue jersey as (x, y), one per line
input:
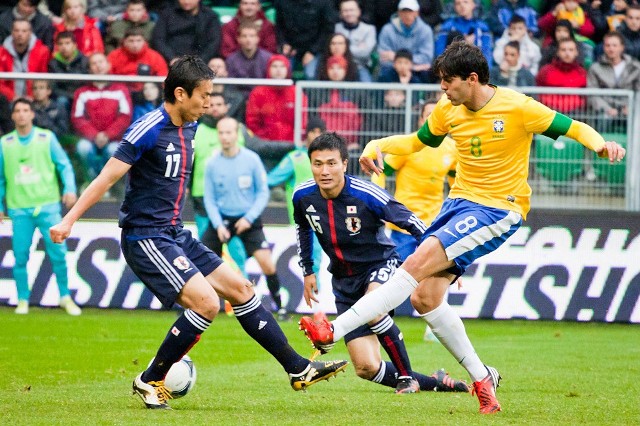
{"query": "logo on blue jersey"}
(170, 147)
(498, 126)
(353, 225)
(352, 210)
(182, 263)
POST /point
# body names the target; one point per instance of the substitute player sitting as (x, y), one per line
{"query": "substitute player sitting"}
(347, 214)
(493, 128)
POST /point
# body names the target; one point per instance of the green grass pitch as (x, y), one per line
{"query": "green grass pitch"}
(56, 369)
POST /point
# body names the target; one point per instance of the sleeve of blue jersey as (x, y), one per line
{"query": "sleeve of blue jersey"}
(304, 236)
(141, 136)
(373, 196)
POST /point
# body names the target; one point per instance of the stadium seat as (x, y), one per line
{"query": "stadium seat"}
(612, 173)
(558, 160)
(226, 13)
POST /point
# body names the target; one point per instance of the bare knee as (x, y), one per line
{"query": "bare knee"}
(207, 307)
(239, 291)
(366, 370)
(428, 259)
(430, 293)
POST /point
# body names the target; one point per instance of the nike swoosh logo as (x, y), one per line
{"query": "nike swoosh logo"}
(454, 125)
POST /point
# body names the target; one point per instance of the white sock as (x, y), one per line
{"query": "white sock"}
(449, 329)
(376, 303)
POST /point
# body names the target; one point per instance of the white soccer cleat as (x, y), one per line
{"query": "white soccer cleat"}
(22, 308)
(70, 306)
(153, 394)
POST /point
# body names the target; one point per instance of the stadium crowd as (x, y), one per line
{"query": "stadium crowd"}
(552, 43)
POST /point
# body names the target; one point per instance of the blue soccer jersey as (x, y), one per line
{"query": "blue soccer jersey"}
(161, 158)
(350, 227)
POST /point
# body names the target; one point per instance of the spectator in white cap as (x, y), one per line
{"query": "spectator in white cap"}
(407, 31)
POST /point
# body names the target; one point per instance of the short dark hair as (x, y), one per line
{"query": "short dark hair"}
(66, 34)
(515, 44)
(21, 101)
(132, 2)
(615, 34)
(248, 25)
(133, 31)
(329, 142)
(220, 95)
(187, 72)
(426, 102)
(404, 53)
(517, 19)
(316, 122)
(460, 59)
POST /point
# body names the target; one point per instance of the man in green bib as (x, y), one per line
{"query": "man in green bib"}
(206, 143)
(31, 159)
(294, 169)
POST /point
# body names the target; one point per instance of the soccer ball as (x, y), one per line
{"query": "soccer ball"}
(181, 377)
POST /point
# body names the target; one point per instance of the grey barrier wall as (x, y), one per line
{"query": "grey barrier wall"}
(560, 265)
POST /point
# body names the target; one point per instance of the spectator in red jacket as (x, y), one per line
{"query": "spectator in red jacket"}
(270, 109)
(100, 114)
(21, 52)
(248, 11)
(135, 57)
(340, 113)
(564, 71)
(84, 28)
(571, 11)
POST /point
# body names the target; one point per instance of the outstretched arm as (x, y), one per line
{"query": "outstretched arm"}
(397, 144)
(110, 174)
(588, 137)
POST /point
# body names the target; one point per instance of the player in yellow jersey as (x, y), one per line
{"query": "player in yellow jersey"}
(493, 129)
(420, 179)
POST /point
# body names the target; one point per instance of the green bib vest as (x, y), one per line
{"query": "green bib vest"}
(206, 141)
(29, 170)
(301, 173)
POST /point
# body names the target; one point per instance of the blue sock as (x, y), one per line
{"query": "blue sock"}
(427, 383)
(390, 338)
(387, 375)
(184, 333)
(264, 329)
(273, 283)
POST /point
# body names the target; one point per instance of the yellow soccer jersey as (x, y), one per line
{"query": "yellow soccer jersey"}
(493, 145)
(420, 179)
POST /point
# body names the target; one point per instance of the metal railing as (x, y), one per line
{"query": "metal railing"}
(563, 174)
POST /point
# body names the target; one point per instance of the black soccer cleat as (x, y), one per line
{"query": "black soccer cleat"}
(448, 384)
(407, 384)
(316, 371)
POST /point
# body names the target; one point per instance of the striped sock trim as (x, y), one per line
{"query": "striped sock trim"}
(383, 325)
(380, 375)
(247, 307)
(197, 320)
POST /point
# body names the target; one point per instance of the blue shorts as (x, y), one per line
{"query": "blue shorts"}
(469, 230)
(406, 244)
(348, 290)
(164, 259)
